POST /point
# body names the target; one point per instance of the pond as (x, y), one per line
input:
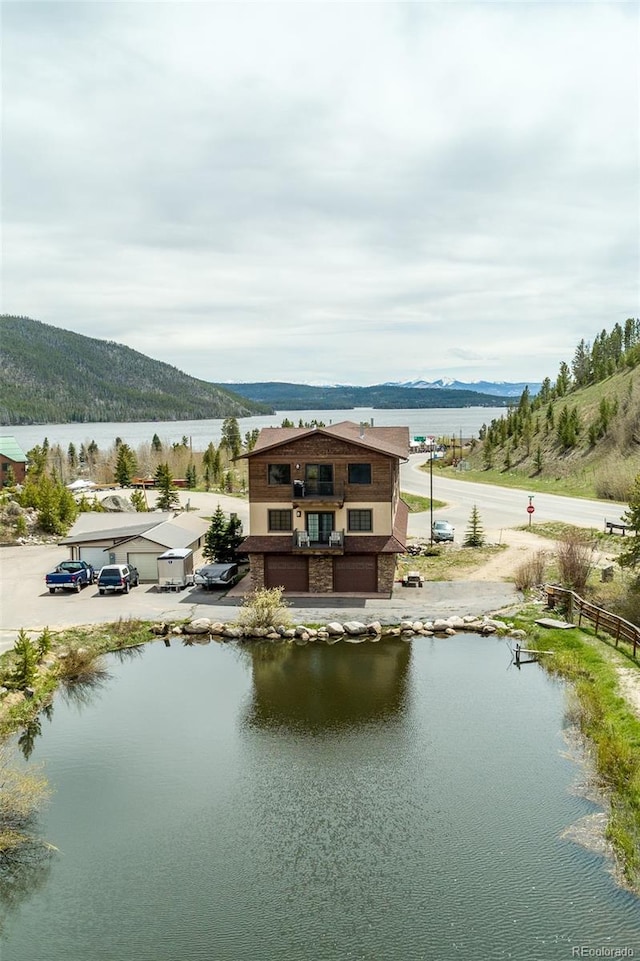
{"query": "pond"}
(387, 802)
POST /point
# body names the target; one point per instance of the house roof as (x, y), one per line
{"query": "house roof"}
(177, 532)
(97, 525)
(10, 448)
(393, 441)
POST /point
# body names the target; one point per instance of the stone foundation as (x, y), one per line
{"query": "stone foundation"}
(320, 575)
(256, 571)
(386, 572)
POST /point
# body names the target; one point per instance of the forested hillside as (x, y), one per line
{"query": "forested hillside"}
(585, 422)
(49, 375)
(285, 396)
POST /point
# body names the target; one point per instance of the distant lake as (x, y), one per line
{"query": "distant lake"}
(440, 421)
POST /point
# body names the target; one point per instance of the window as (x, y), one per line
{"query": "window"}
(360, 520)
(359, 473)
(319, 479)
(280, 521)
(279, 473)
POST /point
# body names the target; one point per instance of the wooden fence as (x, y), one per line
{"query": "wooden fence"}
(616, 627)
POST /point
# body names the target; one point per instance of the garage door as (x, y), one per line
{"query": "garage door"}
(147, 565)
(95, 556)
(288, 571)
(355, 573)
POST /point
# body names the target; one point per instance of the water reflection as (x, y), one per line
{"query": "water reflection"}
(81, 690)
(317, 687)
(22, 873)
(27, 738)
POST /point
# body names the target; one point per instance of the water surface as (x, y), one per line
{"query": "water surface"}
(389, 801)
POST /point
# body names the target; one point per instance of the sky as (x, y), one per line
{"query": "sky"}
(324, 192)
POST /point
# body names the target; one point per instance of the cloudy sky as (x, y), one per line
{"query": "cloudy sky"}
(324, 192)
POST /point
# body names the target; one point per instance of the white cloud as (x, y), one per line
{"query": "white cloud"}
(325, 191)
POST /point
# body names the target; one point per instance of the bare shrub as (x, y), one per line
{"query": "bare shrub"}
(575, 560)
(264, 607)
(81, 665)
(615, 481)
(21, 794)
(531, 572)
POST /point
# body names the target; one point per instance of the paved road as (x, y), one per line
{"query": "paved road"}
(499, 507)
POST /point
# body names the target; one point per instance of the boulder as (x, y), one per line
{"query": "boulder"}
(116, 503)
(355, 628)
(234, 632)
(417, 626)
(199, 625)
(457, 622)
(374, 628)
(440, 625)
(334, 628)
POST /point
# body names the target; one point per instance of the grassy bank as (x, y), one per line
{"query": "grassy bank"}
(578, 483)
(592, 665)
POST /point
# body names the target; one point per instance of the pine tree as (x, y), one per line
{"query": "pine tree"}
(630, 556)
(126, 465)
(25, 661)
(215, 538)
(168, 498)
(474, 536)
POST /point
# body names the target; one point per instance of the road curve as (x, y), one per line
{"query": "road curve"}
(499, 507)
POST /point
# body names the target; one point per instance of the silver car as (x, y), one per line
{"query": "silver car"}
(442, 531)
(216, 575)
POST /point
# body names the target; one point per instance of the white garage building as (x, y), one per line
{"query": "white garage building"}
(134, 538)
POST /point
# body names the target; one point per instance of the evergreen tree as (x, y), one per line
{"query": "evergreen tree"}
(155, 444)
(538, 459)
(126, 465)
(231, 438)
(234, 537)
(168, 498)
(138, 501)
(25, 661)
(474, 536)
(630, 555)
(215, 538)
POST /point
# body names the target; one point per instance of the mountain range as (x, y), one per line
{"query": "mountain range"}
(499, 388)
(50, 375)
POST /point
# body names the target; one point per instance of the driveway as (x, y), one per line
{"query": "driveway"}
(26, 603)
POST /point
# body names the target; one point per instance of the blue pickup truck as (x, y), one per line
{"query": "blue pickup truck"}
(70, 576)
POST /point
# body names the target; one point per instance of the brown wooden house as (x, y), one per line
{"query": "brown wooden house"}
(325, 512)
(13, 462)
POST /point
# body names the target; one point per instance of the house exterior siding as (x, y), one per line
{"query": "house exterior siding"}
(313, 474)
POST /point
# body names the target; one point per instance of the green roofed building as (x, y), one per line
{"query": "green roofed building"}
(13, 462)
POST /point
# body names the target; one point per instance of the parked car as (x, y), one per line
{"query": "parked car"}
(117, 577)
(70, 576)
(442, 531)
(216, 575)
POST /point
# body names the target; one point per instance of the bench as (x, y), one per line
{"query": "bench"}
(616, 527)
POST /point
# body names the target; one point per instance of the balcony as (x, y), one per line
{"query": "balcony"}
(326, 492)
(331, 542)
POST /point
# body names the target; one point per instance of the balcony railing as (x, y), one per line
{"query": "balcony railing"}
(332, 540)
(318, 490)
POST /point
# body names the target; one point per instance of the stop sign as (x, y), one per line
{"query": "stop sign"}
(530, 509)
